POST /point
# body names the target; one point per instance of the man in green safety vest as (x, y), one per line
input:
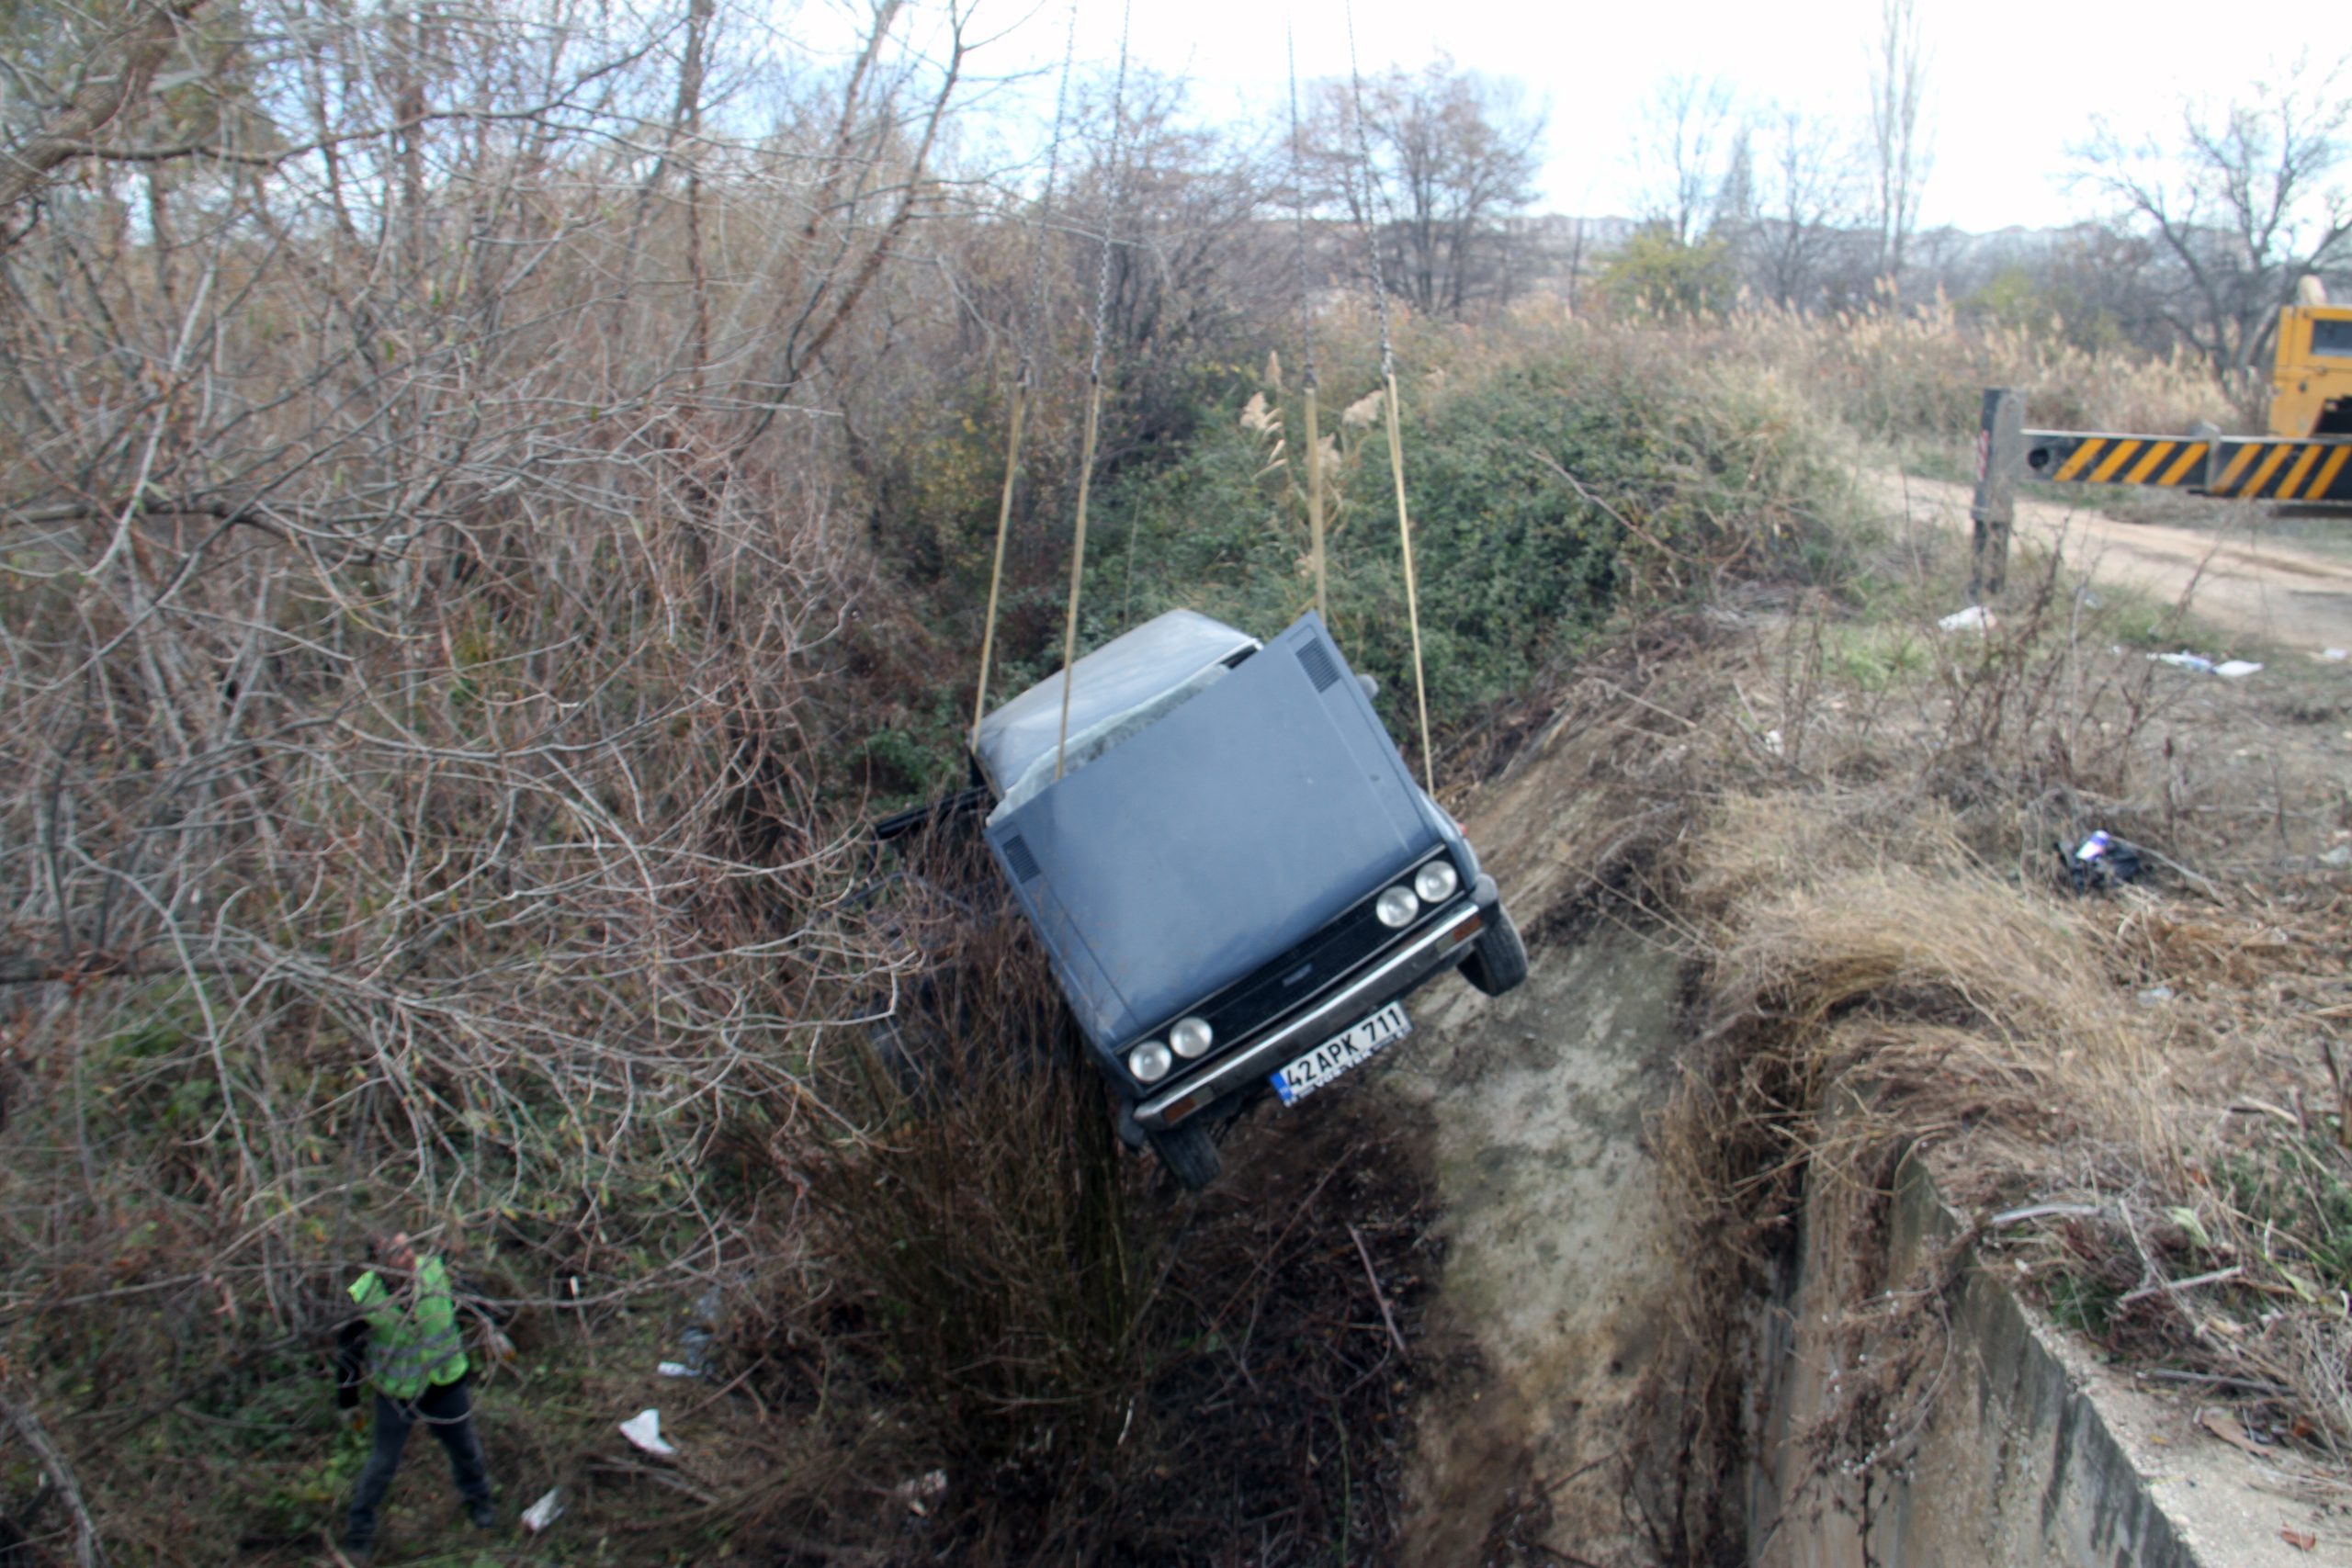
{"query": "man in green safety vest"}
(408, 1341)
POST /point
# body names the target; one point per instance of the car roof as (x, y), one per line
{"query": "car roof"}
(1123, 674)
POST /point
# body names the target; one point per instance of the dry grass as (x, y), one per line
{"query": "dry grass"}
(1894, 371)
(1849, 828)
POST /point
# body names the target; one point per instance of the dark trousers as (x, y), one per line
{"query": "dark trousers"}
(449, 1410)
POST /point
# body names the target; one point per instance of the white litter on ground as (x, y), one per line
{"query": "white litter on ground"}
(920, 1493)
(2228, 669)
(1975, 618)
(544, 1512)
(644, 1429)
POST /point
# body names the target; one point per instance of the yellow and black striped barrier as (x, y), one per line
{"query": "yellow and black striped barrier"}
(2244, 468)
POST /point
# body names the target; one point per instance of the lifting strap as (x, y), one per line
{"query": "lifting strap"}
(1034, 310)
(1093, 388)
(1306, 340)
(1389, 380)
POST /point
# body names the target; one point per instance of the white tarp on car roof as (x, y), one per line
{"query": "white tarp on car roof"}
(1166, 658)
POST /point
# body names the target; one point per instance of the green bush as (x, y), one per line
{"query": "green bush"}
(1545, 489)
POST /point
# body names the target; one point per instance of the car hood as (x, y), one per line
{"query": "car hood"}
(1211, 842)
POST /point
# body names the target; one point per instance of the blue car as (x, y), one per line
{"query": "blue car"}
(1234, 876)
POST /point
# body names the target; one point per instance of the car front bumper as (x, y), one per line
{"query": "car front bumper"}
(1443, 942)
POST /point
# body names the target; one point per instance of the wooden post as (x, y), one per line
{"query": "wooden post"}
(2000, 452)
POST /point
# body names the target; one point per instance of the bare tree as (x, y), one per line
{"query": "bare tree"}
(2249, 196)
(1454, 154)
(94, 81)
(423, 604)
(1805, 202)
(1898, 79)
(1686, 122)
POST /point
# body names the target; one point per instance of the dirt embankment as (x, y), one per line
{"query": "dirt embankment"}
(1561, 1273)
(2237, 580)
(1553, 1227)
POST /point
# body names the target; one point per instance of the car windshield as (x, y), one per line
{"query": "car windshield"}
(1118, 689)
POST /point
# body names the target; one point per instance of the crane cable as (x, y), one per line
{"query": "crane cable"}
(1033, 311)
(1306, 341)
(1389, 380)
(1093, 386)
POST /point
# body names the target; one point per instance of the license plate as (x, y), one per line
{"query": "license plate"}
(1351, 1048)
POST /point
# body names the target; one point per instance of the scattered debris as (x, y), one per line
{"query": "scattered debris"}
(2301, 1540)
(1774, 743)
(544, 1512)
(1975, 618)
(2332, 656)
(2338, 859)
(2100, 862)
(921, 1492)
(2228, 669)
(2156, 996)
(644, 1430)
(693, 1360)
(2225, 1426)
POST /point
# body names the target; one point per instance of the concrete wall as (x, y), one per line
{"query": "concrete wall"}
(1991, 1451)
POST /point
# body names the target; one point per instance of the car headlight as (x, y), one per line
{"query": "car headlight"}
(1435, 881)
(1191, 1037)
(1151, 1060)
(1398, 907)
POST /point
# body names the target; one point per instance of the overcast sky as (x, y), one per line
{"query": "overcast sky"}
(2012, 83)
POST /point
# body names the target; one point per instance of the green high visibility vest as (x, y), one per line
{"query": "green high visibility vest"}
(413, 1342)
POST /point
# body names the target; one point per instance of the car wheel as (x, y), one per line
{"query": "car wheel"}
(1190, 1154)
(1499, 963)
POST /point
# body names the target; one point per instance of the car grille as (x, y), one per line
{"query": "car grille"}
(1260, 998)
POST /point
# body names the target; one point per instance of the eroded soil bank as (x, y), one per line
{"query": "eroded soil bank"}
(1739, 775)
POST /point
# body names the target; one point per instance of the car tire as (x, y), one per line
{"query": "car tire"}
(1498, 962)
(1190, 1154)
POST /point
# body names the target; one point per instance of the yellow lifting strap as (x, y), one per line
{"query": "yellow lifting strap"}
(1412, 586)
(1306, 346)
(996, 570)
(1315, 504)
(1389, 380)
(1021, 388)
(1094, 390)
(1077, 565)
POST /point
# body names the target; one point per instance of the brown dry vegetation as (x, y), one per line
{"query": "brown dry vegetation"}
(467, 574)
(1847, 824)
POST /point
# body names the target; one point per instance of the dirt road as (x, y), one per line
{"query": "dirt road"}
(2292, 599)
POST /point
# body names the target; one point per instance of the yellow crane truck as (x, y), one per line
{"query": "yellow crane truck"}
(2305, 457)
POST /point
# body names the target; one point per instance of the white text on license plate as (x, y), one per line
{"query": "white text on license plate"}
(1349, 1049)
